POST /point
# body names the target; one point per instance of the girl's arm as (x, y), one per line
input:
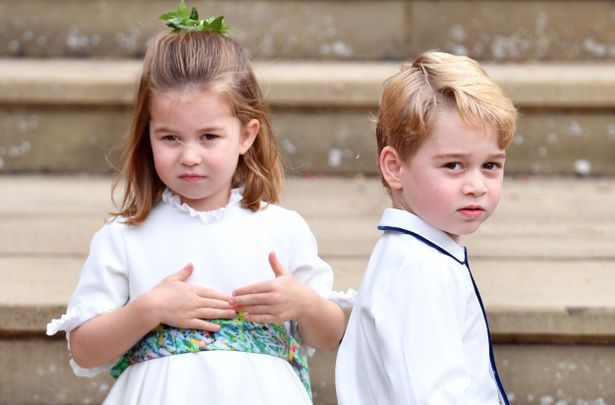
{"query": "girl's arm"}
(321, 322)
(173, 302)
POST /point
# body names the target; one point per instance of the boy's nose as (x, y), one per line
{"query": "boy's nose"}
(474, 185)
(190, 156)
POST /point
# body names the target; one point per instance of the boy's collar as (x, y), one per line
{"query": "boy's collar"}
(404, 220)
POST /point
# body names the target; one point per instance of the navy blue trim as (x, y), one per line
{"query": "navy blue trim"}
(480, 301)
(491, 356)
(425, 241)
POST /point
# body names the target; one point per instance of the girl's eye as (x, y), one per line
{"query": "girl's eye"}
(209, 137)
(169, 138)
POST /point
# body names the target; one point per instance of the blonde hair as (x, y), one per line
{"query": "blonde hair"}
(207, 61)
(432, 80)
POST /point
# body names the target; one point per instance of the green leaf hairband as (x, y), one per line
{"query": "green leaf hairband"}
(181, 20)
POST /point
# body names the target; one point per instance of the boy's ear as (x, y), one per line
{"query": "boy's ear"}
(248, 135)
(391, 167)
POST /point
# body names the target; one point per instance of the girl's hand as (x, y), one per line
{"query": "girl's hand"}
(177, 303)
(278, 300)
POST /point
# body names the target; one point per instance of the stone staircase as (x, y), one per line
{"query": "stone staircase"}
(544, 263)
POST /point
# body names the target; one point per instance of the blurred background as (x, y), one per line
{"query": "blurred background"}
(68, 74)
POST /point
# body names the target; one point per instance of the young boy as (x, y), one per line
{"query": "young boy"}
(418, 332)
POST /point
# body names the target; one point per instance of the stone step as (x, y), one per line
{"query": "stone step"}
(545, 265)
(498, 31)
(68, 116)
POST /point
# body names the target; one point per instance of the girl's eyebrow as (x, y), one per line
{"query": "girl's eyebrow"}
(163, 128)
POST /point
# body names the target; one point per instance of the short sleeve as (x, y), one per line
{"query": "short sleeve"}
(305, 264)
(309, 268)
(418, 335)
(102, 285)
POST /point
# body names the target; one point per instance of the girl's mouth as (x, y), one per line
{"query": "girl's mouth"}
(191, 177)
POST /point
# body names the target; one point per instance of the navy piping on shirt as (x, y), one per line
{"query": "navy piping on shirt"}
(480, 301)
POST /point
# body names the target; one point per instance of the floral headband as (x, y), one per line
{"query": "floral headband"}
(181, 20)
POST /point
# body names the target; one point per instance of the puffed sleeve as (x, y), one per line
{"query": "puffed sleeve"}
(418, 336)
(304, 262)
(102, 286)
(310, 269)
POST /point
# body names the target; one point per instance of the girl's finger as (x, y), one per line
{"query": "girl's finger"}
(209, 313)
(258, 309)
(214, 303)
(262, 287)
(184, 274)
(203, 325)
(251, 299)
(276, 266)
(209, 293)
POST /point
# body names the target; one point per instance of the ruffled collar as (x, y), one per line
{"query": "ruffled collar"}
(205, 216)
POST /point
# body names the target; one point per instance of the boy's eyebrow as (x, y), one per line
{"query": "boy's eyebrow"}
(500, 155)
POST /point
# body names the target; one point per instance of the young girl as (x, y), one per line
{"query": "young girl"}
(201, 176)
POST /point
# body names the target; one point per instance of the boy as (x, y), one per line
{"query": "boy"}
(418, 332)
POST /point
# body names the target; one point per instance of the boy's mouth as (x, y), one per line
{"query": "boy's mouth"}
(472, 211)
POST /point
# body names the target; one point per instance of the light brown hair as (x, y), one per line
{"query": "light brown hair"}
(433, 80)
(207, 61)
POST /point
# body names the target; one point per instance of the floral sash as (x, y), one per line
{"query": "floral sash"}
(235, 334)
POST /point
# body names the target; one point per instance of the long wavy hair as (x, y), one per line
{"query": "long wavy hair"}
(207, 61)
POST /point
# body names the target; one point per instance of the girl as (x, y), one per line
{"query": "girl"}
(201, 176)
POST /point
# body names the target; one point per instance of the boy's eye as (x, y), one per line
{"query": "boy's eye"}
(492, 166)
(453, 165)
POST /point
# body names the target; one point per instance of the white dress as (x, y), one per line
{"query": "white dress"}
(229, 249)
(417, 333)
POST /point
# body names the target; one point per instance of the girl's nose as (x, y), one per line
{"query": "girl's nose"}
(190, 155)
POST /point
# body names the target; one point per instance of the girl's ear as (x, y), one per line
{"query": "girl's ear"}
(248, 135)
(391, 167)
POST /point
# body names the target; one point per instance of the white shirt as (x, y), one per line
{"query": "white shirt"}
(229, 249)
(417, 333)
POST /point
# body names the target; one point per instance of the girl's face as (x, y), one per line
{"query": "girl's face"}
(196, 142)
(454, 180)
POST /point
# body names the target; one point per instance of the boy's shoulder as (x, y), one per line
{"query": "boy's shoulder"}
(410, 248)
(405, 228)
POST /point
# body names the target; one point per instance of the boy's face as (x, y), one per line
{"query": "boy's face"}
(453, 181)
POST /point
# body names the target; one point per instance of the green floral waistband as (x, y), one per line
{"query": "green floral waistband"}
(235, 334)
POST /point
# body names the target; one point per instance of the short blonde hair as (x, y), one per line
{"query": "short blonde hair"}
(207, 61)
(431, 80)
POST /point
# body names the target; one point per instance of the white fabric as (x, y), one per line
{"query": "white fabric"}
(344, 299)
(416, 334)
(229, 249)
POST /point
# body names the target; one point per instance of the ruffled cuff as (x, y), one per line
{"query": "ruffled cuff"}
(344, 299)
(294, 331)
(73, 318)
(88, 372)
